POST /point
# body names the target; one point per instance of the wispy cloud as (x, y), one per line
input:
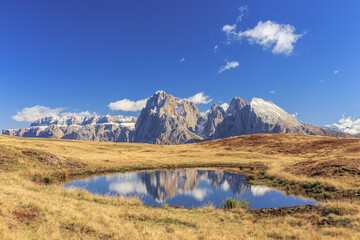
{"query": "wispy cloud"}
(321, 81)
(216, 48)
(182, 60)
(200, 98)
(336, 72)
(230, 31)
(228, 66)
(243, 10)
(272, 91)
(128, 105)
(280, 37)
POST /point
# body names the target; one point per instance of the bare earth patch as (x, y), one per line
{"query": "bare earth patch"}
(26, 216)
(327, 168)
(49, 159)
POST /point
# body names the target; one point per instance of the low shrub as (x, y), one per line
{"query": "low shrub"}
(327, 195)
(330, 188)
(48, 180)
(233, 203)
(250, 177)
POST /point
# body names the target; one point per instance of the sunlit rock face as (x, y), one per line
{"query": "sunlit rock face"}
(168, 120)
(258, 116)
(162, 185)
(187, 188)
(214, 117)
(96, 128)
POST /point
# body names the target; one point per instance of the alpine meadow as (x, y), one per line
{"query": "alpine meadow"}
(179, 119)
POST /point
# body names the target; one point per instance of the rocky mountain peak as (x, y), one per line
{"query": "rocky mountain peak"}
(214, 117)
(215, 111)
(271, 113)
(82, 121)
(236, 105)
(160, 104)
(166, 117)
(169, 120)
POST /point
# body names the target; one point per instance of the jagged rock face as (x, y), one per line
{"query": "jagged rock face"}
(267, 117)
(258, 116)
(235, 119)
(215, 117)
(97, 128)
(163, 185)
(167, 120)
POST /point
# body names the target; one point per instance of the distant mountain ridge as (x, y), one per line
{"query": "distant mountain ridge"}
(168, 120)
(96, 128)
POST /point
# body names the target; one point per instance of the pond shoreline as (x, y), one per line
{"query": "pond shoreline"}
(190, 187)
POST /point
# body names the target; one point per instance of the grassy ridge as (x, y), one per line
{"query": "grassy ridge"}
(33, 206)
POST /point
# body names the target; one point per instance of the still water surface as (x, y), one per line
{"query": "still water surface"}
(187, 188)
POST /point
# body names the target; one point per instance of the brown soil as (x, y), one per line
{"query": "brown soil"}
(49, 159)
(26, 216)
(284, 211)
(304, 212)
(282, 143)
(327, 168)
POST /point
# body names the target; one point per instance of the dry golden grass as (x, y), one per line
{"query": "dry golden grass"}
(31, 209)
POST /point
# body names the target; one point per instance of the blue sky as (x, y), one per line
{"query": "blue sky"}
(78, 56)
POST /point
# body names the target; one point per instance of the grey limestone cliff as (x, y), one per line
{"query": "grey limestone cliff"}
(169, 120)
(96, 128)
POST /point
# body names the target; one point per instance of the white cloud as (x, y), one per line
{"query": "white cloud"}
(229, 65)
(280, 37)
(216, 48)
(321, 82)
(198, 193)
(295, 115)
(243, 10)
(182, 60)
(336, 72)
(272, 91)
(127, 105)
(225, 185)
(128, 187)
(348, 125)
(30, 114)
(259, 191)
(204, 114)
(200, 98)
(225, 106)
(230, 31)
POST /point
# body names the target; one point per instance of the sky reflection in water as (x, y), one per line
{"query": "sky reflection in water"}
(187, 188)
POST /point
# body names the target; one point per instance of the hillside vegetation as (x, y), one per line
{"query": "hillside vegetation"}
(34, 206)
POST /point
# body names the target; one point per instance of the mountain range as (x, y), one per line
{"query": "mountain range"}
(168, 120)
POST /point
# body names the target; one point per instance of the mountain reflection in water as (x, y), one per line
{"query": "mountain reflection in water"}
(187, 188)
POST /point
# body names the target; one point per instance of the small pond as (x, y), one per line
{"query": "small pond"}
(187, 188)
